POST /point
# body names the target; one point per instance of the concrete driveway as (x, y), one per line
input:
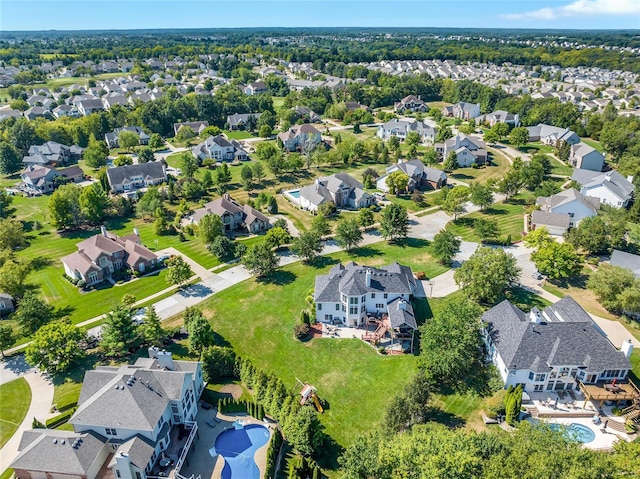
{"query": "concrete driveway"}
(202, 272)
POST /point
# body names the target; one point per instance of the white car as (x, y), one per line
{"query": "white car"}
(537, 275)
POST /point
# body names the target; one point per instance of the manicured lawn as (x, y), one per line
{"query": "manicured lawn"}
(238, 134)
(357, 382)
(508, 215)
(559, 168)
(593, 144)
(278, 102)
(481, 175)
(15, 398)
(67, 392)
(463, 407)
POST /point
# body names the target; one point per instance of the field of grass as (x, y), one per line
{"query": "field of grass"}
(278, 102)
(559, 168)
(15, 398)
(509, 217)
(341, 370)
(497, 168)
(238, 134)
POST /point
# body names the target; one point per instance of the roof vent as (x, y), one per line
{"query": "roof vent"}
(63, 442)
(55, 441)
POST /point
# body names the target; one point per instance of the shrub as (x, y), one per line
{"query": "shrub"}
(56, 421)
(616, 411)
(181, 237)
(81, 283)
(421, 275)
(630, 426)
(382, 350)
(304, 317)
(301, 331)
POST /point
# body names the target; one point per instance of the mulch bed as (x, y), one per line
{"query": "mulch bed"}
(315, 330)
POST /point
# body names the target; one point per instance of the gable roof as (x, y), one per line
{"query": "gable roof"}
(542, 218)
(611, 180)
(53, 451)
(151, 169)
(564, 335)
(567, 196)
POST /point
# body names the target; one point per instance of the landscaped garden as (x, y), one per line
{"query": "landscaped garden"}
(15, 398)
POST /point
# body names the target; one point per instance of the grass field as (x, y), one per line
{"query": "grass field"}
(238, 134)
(341, 370)
(593, 144)
(482, 175)
(15, 398)
(508, 215)
(559, 168)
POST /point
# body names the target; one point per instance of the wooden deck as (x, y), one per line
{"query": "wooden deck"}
(604, 391)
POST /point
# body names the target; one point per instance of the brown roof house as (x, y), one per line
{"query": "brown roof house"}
(234, 216)
(303, 137)
(102, 254)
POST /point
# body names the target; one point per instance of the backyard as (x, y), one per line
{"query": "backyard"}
(340, 369)
(509, 216)
(15, 398)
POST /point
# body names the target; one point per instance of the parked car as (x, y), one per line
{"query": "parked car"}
(537, 275)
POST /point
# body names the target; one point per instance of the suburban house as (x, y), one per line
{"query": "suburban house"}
(499, 116)
(112, 137)
(563, 210)
(37, 112)
(132, 177)
(100, 255)
(350, 293)
(196, 126)
(39, 180)
(52, 153)
(556, 349)
(307, 114)
(410, 103)
(420, 176)
(220, 149)
(468, 151)
(626, 260)
(235, 217)
(90, 105)
(6, 304)
(551, 135)
(586, 157)
(462, 110)
(401, 128)
(131, 420)
(303, 137)
(610, 187)
(255, 88)
(340, 189)
(238, 121)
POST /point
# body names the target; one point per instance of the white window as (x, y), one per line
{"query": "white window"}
(353, 310)
(538, 387)
(93, 277)
(337, 307)
(319, 306)
(353, 300)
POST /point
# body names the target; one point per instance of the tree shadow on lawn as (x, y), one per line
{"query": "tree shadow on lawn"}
(443, 417)
(577, 281)
(364, 252)
(525, 300)
(320, 262)
(278, 277)
(329, 453)
(41, 262)
(462, 176)
(76, 373)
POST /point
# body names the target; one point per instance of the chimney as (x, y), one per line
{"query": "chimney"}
(630, 178)
(103, 230)
(535, 316)
(368, 278)
(165, 359)
(136, 231)
(627, 348)
(123, 465)
(153, 352)
(402, 305)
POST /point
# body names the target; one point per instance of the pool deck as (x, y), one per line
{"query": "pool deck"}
(605, 438)
(200, 463)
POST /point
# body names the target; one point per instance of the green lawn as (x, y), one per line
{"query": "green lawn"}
(559, 168)
(278, 102)
(238, 134)
(356, 381)
(509, 216)
(481, 175)
(15, 398)
(66, 392)
(593, 144)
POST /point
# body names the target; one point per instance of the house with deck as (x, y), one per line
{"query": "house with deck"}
(559, 348)
(132, 422)
(468, 150)
(341, 189)
(351, 293)
(410, 103)
(401, 128)
(235, 217)
(420, 176)
(220, 149)
(128, 178)
(100, 255)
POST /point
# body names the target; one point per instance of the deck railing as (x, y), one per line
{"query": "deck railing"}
(185, 449)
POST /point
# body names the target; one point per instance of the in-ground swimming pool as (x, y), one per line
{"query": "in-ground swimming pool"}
(576, 432)
(238, 447)
(294, 193)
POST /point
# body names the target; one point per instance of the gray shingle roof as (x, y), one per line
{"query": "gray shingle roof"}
(351, 281)
(542, 218)
(626, 260)
(401, 314)
(52, 451)
(152, 169)
(612, 180)
(565, 336)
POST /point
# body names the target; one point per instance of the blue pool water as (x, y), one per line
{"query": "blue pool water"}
(576, 432)
(294, 193)
(238, 447)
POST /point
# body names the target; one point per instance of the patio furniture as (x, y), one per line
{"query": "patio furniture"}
(164, 462)
(210, 424)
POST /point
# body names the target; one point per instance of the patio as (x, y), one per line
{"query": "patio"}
(376, 332)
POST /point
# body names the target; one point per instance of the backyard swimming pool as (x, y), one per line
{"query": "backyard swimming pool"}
(574, 431)
(238, 447)
(294, 193)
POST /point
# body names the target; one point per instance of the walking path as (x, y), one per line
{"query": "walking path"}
(41, 400)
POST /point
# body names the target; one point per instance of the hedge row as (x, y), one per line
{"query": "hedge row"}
(56, 421)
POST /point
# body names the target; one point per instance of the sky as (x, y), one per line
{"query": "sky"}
(140, 14)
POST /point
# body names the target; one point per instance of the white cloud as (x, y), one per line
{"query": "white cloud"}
(581, 8)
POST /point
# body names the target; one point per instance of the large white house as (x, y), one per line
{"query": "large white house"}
(468, 150)
(610, 187)
(350, 293)
(553, 349)
(420, 176)
(127, 421)
(551, 135)
(220, 149)
(400, 129)
(563, 210)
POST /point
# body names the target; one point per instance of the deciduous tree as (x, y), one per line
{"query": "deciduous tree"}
(445, 246)
(394, 223)
(96, 153)
(486, 274)
(209, 228)
(557, 260)
(119, 332)
(348, 234)
(307, 246)
(178, 271)
(55, 347)
(33, 312)
(260, 259)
